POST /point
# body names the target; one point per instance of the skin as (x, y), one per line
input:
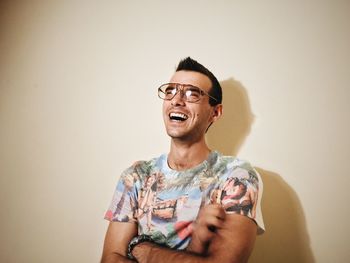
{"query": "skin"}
(213, 226)
(117, 238)
(236, 232)
(188, 147)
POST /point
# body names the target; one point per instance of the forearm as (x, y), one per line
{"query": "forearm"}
(115, 258)
(151, 253)
(225, 247)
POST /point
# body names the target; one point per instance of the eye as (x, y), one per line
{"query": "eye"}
(170, 90)
(193, 93)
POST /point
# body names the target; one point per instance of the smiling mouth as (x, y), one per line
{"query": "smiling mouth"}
(174, 116)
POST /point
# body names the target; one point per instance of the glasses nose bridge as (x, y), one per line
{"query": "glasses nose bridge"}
(180, 89)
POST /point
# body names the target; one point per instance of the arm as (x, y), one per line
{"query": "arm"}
(116, 242)
(235, 240)
(210, 218)
(232, 242)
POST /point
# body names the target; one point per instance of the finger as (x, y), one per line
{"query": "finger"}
(213, 210)
(203, 234)
(209, 222)
(214, 223)
(221, 213)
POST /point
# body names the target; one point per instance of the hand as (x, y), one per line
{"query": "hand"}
(209, 219)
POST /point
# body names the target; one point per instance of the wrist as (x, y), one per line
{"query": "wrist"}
(136, 241)
(143, 252)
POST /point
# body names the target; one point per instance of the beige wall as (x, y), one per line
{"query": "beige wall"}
(78, 104)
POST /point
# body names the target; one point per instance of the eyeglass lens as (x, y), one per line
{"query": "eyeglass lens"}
(191, 93)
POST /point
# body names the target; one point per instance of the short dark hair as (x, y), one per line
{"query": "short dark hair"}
(192, 65)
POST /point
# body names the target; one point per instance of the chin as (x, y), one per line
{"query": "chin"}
(175, 135)
(182, 136)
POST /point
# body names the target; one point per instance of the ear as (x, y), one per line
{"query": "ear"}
(217, 112)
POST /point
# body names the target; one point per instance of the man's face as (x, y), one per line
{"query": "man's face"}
(195, 117)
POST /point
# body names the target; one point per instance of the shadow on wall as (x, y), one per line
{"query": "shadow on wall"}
(230, 131)
(286, 238)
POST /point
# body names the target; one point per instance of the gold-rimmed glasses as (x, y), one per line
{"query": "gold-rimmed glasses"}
(191, 93)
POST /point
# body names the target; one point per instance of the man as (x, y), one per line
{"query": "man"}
(193, 204)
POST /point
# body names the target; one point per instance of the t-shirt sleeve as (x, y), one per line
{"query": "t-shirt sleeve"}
(123, 203)
(241, 193)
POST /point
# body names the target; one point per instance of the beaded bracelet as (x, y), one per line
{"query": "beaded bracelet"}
(135, 241)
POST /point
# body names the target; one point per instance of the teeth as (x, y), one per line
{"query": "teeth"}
(176, 115)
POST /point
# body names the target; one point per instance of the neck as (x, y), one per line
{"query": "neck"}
(184, 156)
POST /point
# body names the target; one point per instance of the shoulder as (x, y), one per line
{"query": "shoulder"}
(240, 190)
(231, 162)
(143, 167)
(237, 167)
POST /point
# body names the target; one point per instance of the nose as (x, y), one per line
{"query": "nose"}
(179, 98)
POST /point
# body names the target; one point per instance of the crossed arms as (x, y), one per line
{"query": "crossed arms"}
(216, 236)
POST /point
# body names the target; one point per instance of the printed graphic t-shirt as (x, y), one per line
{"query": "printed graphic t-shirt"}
(165, 202)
